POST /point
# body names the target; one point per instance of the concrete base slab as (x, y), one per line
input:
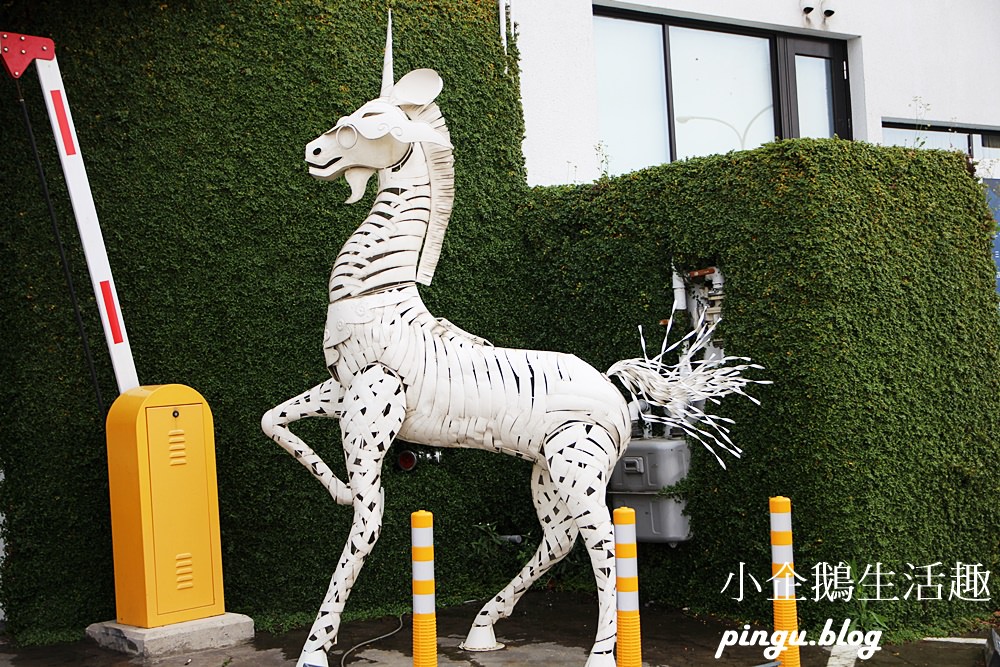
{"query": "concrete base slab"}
(548, 628)
(205, 633)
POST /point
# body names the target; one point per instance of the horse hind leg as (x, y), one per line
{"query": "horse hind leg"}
(558, 535)
(373, 411)
(580, 457)
(323, 400)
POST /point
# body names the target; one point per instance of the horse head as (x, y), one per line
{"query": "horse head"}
(376, 136)
(381, 133)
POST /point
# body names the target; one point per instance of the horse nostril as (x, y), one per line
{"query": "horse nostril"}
(317, 151)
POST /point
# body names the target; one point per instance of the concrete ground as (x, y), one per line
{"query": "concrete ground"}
(547, 629)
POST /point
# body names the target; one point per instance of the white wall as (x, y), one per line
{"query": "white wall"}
(558, 89)
(910, 60)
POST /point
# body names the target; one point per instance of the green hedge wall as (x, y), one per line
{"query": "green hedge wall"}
(192, 117)
(861, 278)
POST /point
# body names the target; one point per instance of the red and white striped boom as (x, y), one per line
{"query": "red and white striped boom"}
(18, 52)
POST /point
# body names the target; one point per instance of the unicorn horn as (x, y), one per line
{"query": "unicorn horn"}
(387, 80)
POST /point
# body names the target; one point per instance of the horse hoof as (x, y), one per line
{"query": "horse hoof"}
(481, 638)
(601, 660)
(313, 659)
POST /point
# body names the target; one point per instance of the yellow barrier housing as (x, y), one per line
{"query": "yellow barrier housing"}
(164, 507)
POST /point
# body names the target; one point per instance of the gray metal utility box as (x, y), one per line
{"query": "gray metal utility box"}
(649, 465)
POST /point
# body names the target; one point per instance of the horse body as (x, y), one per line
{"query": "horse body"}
(461, 392)
(397, 371)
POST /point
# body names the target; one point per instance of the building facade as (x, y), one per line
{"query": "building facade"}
(612, 86)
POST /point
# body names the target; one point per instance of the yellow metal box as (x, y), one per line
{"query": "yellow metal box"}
(164, 507)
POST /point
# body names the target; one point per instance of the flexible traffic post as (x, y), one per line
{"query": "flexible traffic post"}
(424, 618)
(783, 575)
(626, 563)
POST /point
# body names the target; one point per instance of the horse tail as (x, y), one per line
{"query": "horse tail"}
(680, 390)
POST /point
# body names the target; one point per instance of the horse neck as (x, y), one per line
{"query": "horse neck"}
(383, 252)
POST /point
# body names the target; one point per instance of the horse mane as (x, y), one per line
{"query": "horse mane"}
(441, 167)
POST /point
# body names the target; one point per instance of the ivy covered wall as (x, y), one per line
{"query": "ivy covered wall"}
(192, 117)
(859, 276)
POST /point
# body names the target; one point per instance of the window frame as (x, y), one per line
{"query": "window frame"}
(783, 47)
(917, 126)
(789, 46)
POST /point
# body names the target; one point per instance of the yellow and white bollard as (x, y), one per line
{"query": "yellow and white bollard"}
(783, 574)
(424, 618)
(626, 563)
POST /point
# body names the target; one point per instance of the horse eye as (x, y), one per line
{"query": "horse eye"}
(317, 151)
(347, 136)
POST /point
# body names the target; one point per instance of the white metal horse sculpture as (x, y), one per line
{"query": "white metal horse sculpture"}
(397, 371)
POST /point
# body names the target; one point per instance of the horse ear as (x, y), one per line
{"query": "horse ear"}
(419, 87)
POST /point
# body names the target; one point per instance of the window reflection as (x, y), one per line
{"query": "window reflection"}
(949, 141)
(726, 88)
(632, 101)
(982, 146)
(722, 91)
(988, 146)
(814, 88)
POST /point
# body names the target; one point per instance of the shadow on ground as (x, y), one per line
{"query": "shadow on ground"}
(547, 629)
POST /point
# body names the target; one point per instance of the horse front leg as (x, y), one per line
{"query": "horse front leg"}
(373, 410)
(323, 400)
